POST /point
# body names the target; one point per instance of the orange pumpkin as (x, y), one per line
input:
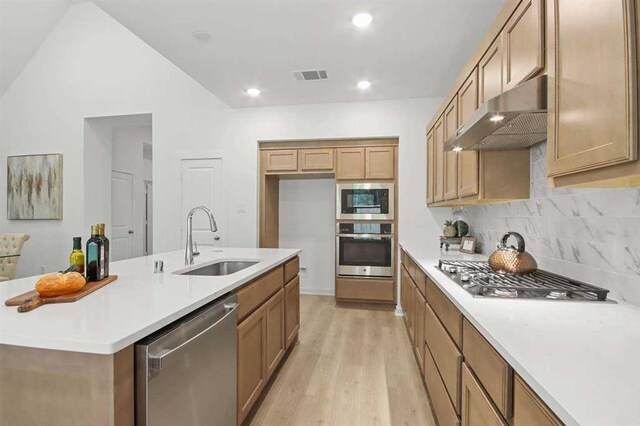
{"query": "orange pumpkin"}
(57, 284)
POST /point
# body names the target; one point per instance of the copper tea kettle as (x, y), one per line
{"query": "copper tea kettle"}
(512, 260)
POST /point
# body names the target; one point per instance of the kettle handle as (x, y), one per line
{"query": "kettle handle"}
(519, 239)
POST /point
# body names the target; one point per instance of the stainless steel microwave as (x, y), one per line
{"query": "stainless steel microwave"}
(364, 201)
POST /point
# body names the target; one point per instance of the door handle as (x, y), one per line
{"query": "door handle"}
(216, 238)
(130, 231)
(159, 361)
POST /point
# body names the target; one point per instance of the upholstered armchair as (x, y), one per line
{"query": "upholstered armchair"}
(10, 244)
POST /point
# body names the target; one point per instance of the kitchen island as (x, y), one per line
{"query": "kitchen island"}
(73, 363)
(579, 358)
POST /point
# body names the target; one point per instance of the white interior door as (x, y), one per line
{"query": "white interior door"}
(202, 186)
(121, 216)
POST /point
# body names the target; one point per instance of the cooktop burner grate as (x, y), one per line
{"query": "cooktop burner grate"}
(480, 280)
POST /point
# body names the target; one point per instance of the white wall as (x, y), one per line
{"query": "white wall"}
(91, 66)
(307, 221)
(127, 152)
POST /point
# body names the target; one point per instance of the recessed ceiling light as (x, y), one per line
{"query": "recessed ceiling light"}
(361, 20)
(252, 91)
(457, 149)
(364, 84)
(201, 36)
(497, 118)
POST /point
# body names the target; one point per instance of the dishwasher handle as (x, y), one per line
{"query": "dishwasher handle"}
(157, 362)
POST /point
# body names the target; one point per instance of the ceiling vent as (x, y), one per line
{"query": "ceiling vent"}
(310, 75)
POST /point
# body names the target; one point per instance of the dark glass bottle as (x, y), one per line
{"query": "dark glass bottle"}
(77, 256)
(105, 240)
(95, 255)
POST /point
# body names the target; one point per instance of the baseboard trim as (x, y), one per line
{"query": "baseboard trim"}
(318, 291)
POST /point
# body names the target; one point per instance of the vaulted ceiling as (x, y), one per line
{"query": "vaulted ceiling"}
(413, 48)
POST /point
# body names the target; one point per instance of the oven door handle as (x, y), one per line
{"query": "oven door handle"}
(367, 236)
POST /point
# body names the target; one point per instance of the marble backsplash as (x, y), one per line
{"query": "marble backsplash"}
(592, 235)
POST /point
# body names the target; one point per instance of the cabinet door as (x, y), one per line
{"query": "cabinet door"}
(317, 159)
(477, 409)
(409, 311)
(292, 310)
(252, 360)
(430, 167)
(276, 339)
(418, 344)
(281, 160)
(528, 408)
(451, 157)
(468, 171)
(523, 43)
(350, 163)
(379, 162)
(438, 139)
(592, 112)
(490, 72)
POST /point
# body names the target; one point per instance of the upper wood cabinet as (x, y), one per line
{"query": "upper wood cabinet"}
(379, 162)
(490, 72)
(316, 159)
(468, 179)
(593, 89)
(451, 157)
(438, 140)
(523, 43)
(281, 160)
(350, 163)
(430, 167)
(528, 408)
(477, 409)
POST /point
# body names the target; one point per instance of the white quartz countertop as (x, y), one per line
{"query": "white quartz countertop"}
(137, 304)
(581, 358)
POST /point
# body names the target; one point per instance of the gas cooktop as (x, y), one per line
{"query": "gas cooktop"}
(481, 281)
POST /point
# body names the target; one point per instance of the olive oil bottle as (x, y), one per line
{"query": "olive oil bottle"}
(76, 259)
(95, 255)
(105, 241)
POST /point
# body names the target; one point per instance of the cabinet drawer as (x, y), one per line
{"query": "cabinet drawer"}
(319, 159)
(446, 311)
(491, 369)
(259, 291)
(291, 269)
(446, 355)
(281, 160)
(528, 408)
(477, 408)
(444, 410)
(365, 290)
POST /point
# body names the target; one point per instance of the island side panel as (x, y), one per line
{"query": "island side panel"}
(42, 386)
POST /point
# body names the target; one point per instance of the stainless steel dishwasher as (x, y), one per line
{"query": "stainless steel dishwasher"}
(186, 372)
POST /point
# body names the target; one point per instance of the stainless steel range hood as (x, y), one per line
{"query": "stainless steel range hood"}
(516, 119)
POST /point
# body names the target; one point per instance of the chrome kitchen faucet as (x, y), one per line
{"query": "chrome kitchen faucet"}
(189, 253)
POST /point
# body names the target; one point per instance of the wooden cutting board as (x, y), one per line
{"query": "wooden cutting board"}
(29, 301)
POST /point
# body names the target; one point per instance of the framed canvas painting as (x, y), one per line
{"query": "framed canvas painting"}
(34, 187)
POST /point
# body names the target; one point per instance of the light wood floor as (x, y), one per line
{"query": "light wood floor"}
(352, 367)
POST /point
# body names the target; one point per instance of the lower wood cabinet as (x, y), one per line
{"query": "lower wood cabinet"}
(265, 333)
(276, 339)
(365, 290)
(292, 310)
(477, 408)
(444, 411)
(528, 409)
(419, 306)
(252, 360)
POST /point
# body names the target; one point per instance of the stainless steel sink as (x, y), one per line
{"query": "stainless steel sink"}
(220, 268)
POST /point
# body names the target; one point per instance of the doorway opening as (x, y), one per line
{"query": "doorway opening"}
(118, 161)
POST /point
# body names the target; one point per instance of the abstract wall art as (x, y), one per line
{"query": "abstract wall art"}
(34, 187)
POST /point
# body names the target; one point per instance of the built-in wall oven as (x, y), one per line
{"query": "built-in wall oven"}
(364, 201)
(365, 249)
